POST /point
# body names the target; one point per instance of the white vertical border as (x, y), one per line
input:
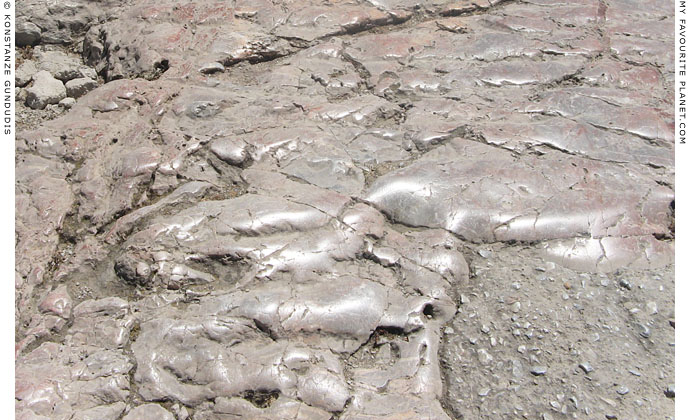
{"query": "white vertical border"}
(682, 148)
(7, 209)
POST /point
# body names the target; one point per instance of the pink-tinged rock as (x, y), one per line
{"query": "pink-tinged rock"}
(43, 199)
(103, 412)
(62, 23)
(436, 250)
(275, 144)
(101, 363)
(125, 151)
(148, 412)
(559, 3)
(141, 161)
(314, 22)
(409, 82)
(29, 415)
(197, 13)
(646, 29)
(458, 7)
(163, 351)
(122, 110)
(48, 382)
(609, 254)
(230, 150)
(485, 195)
(577, 46)
(645, 122)
(471, 124)
(39, 327)
(647, 10)
(326, 166)
(389, 46)
(313, 74)
(85, 254)
(365, 219)
(276, 234)
(643, 51)
(128, 48)
(107, 306)
(433, 121)
(582, 139)
(47, 325)
(413, 386)
(529, 23)
(102, 390)
(278, 185)
(104, 322)
(58, 302)
(375, 147)
(38, 388)
(648, 20)
(569, 14)
(482, 46)
(499, 73)
(282, 408)
(364, 111)
(622, 75)
(183, 194)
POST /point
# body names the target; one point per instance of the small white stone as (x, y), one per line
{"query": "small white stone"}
(67, 103)
(210, 68)
(652, 308)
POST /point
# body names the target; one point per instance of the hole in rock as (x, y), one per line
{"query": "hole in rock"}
(428, 310)
(162, 66)
(261, 398)
(390, 330)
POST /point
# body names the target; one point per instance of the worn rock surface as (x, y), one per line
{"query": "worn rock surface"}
(345, 210)
(46, 90)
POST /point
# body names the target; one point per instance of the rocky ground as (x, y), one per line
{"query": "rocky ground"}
(345, 210)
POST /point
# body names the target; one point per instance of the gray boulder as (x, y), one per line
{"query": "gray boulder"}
(27, 33)
(45, 90)
(24, 73)
(62, 66)
(67, 103)
(79, 87)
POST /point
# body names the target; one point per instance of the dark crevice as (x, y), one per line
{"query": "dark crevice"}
(429, 310)
(474, 9)
(265, 329)
(261, 398)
